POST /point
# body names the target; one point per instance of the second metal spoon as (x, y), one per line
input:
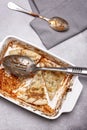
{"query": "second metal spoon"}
(56, 23)
(24, 66)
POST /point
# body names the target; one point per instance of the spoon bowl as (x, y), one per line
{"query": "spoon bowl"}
(18, 65)
(56, 23)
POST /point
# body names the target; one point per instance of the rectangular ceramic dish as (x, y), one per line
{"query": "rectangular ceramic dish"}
(53, 100)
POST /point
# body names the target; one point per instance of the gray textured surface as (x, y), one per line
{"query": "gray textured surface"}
(73, 50)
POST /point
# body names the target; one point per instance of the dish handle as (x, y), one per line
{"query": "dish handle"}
(72, 97)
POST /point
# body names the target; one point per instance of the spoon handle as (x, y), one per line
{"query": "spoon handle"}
(72, 70)
(15, 7)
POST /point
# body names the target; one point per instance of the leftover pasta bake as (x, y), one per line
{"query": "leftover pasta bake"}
(43, 91)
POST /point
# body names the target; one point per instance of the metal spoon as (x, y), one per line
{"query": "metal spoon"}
(24, 66)
(56, 23)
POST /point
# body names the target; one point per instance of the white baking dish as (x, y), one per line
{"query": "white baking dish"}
(71, 97)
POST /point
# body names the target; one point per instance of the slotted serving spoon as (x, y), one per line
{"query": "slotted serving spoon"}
(24, 66)
(56, 23)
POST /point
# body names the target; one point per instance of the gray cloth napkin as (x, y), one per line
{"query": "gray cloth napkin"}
(74, 11)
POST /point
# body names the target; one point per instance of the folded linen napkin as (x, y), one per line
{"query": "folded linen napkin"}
(74, 11)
